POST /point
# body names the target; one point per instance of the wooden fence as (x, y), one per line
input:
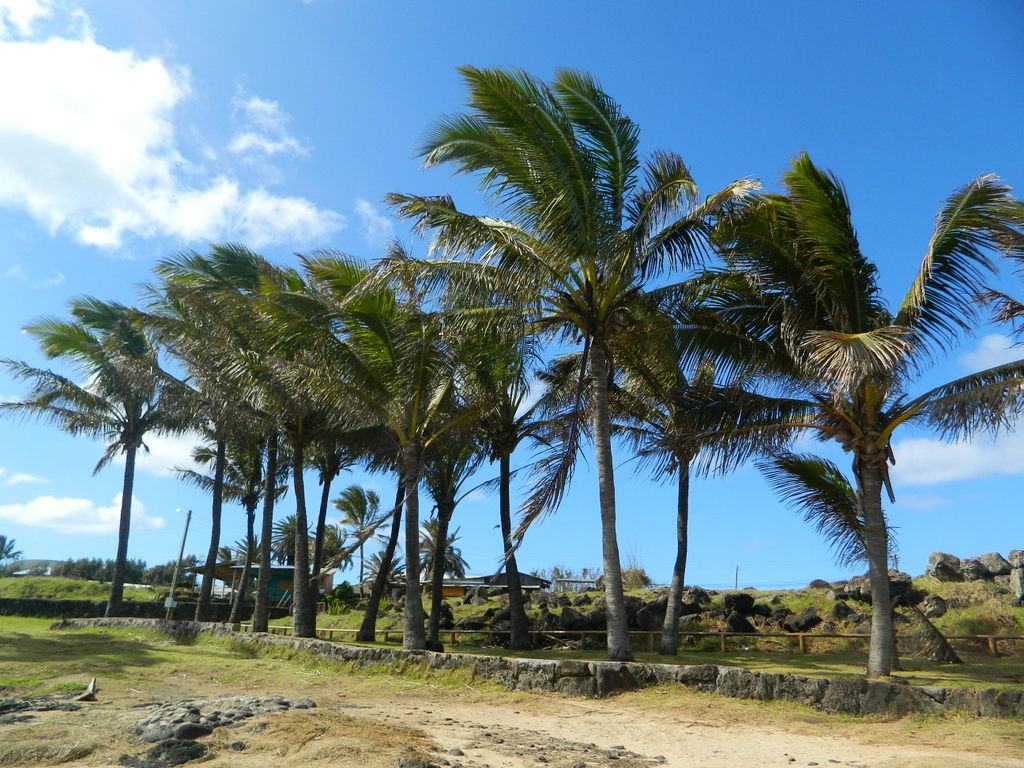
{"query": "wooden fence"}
(650, 639)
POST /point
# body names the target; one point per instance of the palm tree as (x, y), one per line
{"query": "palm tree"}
(394, 363)
(124, 396)
(447, 467)
(586, 227)
(432, 540)
(395, 570)
(381, 573)
(803, 306)
(8, 553)
(499, 374)
(360, 511)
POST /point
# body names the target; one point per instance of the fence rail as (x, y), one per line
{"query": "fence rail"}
(803, 639)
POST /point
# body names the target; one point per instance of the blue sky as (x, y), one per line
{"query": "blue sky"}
(130, 130)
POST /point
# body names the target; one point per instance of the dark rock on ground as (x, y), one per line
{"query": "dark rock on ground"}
(740, 602)
(933, 607)
(652, 616)
(696, 595)
(191, 731)
(995, 564)
(944, 567)
(165, 754)
(761, 609)
(900, 585)
(841, 610)
(974, 570)
(581, 600)
(735, 622)
(804, 621)
(819, 584)
(781, 613)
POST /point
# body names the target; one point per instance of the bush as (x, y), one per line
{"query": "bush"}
(635, 578)
(341, 599)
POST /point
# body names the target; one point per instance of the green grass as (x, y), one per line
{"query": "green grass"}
(54, 588)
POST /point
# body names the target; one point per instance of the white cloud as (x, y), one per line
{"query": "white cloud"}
(265, 130)
(88, 145)
(756, 545)
(70, 515)
(18, 478)
(18, 17)
(992, 350)
(377, 228)
(165, 453)
(17, 272)
(927, 461)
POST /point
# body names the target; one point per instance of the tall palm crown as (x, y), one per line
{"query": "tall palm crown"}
(360, 516)
(804, 307)
(586, 225)
(124, 396)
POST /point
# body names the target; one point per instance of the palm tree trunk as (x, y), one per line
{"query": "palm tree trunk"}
(368, 627)
(519, 638)
(670, 630)
(205, 592)
(362, 561)
(242, 596)
(876, 544)
(413, 635)
(124, 527)
(444, 516)
(321, 522)
(303, 609)
(261, 613)
(619, 646)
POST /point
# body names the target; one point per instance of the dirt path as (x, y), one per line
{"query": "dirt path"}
(375, 722)
(564, 733)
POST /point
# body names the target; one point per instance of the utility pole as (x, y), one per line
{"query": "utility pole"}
(169, 603)
(736, 583)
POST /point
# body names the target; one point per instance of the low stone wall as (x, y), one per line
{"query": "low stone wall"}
(84, 609)
(603, 678)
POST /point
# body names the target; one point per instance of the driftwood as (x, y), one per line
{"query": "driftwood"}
(90, 692)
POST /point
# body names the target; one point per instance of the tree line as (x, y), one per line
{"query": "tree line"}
(604, 303)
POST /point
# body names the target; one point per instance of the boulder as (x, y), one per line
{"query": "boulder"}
(581, 600)
(819, 584)
(781, 613)
(470, 623)
(859, 588)
(841, 611)
(652, 616)
(804, 621)
(944, 567)
(572, 620)
(761, 609)
(1017, 574)
(740, 602)
(933, 606)
(736, 622)
(995, 564)
(974, 570)
(696, 595)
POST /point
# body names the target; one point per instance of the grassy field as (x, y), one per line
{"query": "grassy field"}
(53, 588)
(137, 668)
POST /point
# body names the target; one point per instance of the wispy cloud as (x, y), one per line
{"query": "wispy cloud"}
(70, 515)
(18, 478)
(54, 277)
(90, 146)
(928, 461)
(756, 545)
(922, 502)
(377, 228)
(992, 350)
(167, 452)
(265, 129)
(18, 17)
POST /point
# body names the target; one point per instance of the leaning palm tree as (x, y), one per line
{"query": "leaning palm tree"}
(817, 488)
(360, 511)
(802, 305)
(586, 227)
(123, 398)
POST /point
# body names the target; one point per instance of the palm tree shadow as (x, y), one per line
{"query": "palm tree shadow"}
(97, 653)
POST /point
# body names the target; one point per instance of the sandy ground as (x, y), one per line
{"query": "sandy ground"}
(374, 725)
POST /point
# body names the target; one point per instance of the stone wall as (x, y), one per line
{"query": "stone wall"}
(84, 609)
(603, 678)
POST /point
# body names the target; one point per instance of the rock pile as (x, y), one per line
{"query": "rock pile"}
(946, 567)
(174, 727)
